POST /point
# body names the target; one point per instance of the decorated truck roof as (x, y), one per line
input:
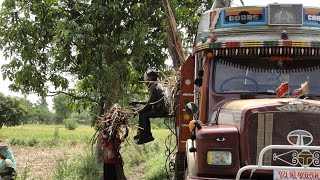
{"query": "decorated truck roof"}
(289, 28)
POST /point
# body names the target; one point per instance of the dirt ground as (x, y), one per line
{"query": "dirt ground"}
(38, 163)
(137, 173)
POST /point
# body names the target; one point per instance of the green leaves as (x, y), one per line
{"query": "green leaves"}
(62, 106)
(11, 113)
(103, 45)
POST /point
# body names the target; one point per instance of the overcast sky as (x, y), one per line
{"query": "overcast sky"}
(33, 98)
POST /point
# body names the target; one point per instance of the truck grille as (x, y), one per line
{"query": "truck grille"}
(273, 128)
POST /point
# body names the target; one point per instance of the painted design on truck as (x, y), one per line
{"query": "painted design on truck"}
(312, 17)
(245, 16)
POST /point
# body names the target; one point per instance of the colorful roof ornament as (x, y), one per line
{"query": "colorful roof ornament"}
(282, 89)
(303, 90)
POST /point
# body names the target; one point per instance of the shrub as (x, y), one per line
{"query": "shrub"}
(24, 142)
(18, 142)
(84, 167)
(33, 142)
(13, 141)
(70, 123)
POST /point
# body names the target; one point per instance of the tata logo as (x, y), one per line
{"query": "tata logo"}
(305, 158)
(300, 138)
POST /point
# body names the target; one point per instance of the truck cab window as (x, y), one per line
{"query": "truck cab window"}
(263, 74)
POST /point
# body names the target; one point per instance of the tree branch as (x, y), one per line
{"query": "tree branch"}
(76, 97)
(173, 31)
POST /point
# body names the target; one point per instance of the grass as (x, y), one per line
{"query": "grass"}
(151, 156)
(45, 135)
(84, 168)
(156, 165)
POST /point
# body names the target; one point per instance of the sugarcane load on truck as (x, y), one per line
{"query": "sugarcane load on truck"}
(248, 104)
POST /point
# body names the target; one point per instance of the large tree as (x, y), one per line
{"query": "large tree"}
(62, 107)
(11, 113)
(31, 115)
(97, 43)
(182, 19)
(43, 114)
(101, 44)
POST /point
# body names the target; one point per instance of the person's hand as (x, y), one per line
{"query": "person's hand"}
(135, 113)
(132, 102)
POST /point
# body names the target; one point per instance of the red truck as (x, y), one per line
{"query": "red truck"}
(252, 84)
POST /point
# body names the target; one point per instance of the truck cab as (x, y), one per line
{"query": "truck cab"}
(254, 76)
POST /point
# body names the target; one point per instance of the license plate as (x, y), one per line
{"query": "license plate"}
(295, 174)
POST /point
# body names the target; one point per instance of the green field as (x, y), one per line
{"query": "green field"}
(45, 133)
(150, 157)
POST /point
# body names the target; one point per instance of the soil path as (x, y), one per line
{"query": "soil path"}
(137, 173)
(38, 163)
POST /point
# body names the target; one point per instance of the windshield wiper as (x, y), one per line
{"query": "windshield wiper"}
(262, 92)
(249, 95)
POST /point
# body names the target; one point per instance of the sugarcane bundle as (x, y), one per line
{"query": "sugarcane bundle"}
(172, 80)
(171, 83)
(113, 124)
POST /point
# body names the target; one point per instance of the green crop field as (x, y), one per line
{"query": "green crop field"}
(73, 153)
(45, 133)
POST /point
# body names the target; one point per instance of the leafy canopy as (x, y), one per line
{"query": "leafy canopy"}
(62, 107)
(100, 46)
(11, 113)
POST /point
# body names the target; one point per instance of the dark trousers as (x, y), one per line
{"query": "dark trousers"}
(144, 120)
(109, 171)
(113, 172)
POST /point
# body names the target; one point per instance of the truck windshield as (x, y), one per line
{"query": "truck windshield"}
(265, 74)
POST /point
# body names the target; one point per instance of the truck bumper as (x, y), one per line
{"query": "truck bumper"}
(190, 177)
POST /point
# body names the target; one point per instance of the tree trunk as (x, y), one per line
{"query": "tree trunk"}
(175, 46)
(221, 3)
(173, 53)
(114, 170)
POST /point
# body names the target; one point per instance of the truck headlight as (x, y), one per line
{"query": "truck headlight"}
(219, 157)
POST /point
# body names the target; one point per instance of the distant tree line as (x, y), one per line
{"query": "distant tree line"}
(16, 111)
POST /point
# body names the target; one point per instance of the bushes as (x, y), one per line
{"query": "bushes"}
(70, 123)
(23, 142)
(150, 156)
(84, 167)
(33, 142)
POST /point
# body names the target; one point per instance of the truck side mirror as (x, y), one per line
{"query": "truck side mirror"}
(191, 108)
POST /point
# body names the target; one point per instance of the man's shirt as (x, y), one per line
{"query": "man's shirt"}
(157, 99)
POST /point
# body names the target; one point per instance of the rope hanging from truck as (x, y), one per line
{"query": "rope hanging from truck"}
(171, 145)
